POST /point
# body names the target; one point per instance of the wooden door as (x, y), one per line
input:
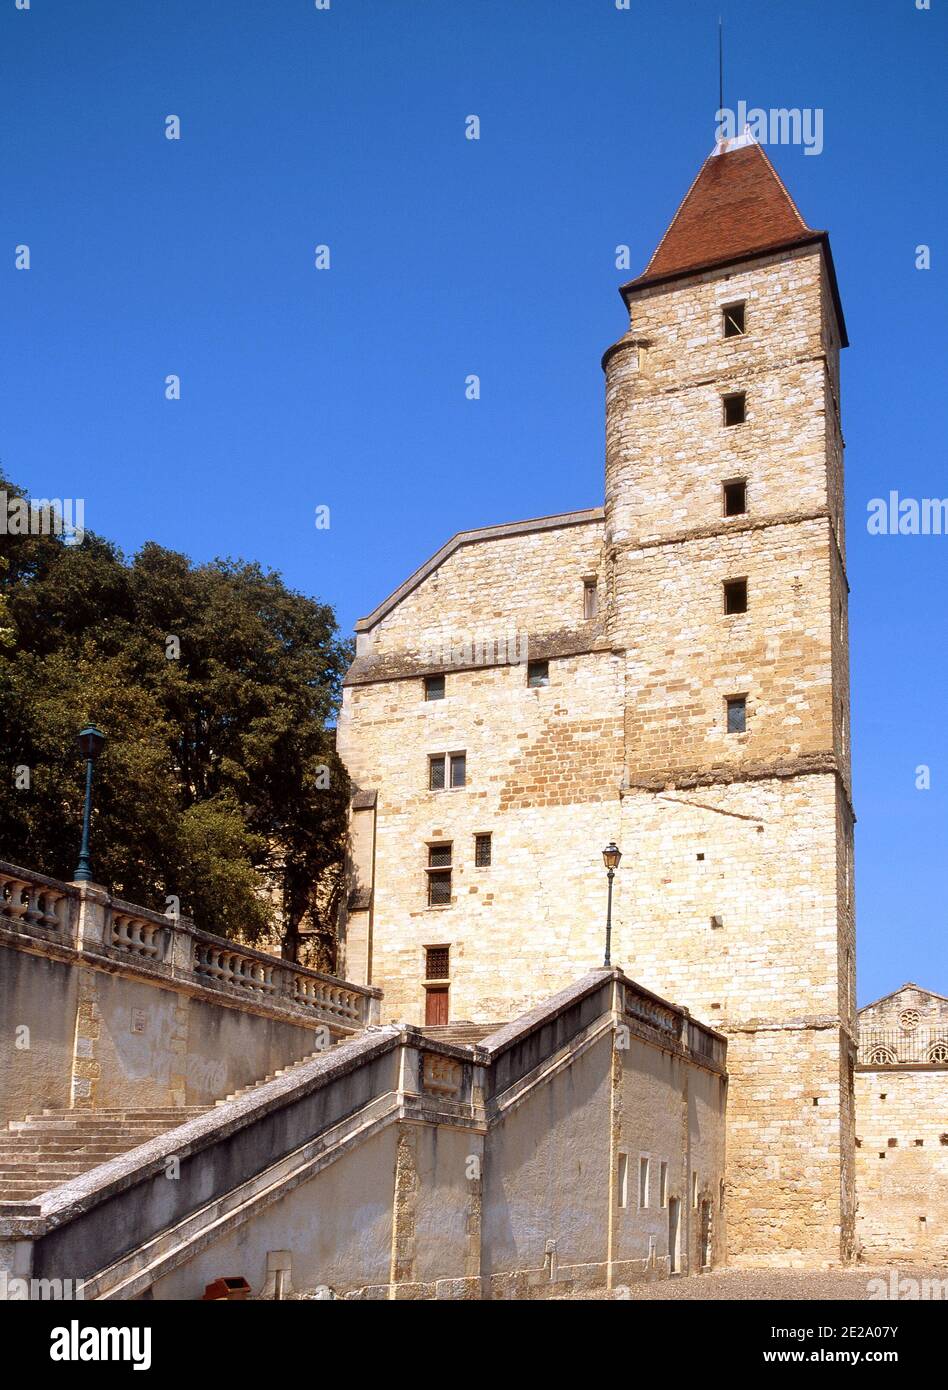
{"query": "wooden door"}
(436, 1006)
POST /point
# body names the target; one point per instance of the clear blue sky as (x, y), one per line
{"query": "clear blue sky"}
(449, 257)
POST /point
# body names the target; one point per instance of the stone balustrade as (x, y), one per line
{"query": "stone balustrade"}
(29, 901)
(644, 1009)
(675, 1027)
(139, 936)
(86, 918)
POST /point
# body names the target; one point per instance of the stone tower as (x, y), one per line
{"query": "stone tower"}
(725, 567)
(669, 672)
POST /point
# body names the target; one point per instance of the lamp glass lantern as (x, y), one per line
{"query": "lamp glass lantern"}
(91, 742)
(610, 857)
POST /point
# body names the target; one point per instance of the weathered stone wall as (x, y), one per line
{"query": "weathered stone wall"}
(530, 582)
(902, 1163)
(667, 449)
(543, 773)
(80, 1035)
(38, 1005)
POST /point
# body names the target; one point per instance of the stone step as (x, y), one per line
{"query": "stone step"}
(90, 1153)
(80, 1127)
(89, 1158)
(52, 1177)
(282, 1071)
(144, 1111)
(44, 1151)
(100, 1117)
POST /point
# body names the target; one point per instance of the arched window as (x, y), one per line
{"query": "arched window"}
(882, 1056)
(938, 1052)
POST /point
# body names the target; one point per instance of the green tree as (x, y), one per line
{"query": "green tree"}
(217, 687)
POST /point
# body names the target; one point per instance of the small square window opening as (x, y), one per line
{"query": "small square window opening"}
(737, 714)
(735, 408)
(733, 317)
(735, 596)
(434, 687)
(735, 497)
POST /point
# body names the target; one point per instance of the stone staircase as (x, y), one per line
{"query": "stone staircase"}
(462, 1033)
(282, 1071)
(43, 1151)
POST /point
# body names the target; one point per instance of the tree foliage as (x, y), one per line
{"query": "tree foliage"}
(216, 686)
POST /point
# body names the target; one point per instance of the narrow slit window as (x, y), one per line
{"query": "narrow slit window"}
(663, 1185)
(434, 687)
(622, 1180)
(735, 497)
(737, 714)
(735, 408)
(590, 598)
(538, 674)
(735, 596)
(733, 316)
(482, 851)
(643, 1182)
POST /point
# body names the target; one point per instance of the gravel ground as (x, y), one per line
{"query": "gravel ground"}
(839, 1284)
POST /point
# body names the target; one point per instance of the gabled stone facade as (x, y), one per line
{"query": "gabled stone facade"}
(735, 896)
(902, 1127)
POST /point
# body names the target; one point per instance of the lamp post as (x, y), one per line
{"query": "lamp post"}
(610, 857)
(91, 743)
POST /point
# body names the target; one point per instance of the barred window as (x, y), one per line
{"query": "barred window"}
(434, 687)
(482, 848)
(737, 714)
(446, 770)
(437, 962)
(439, 875)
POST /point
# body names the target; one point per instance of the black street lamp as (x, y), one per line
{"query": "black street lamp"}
(610, 857)
(91, 743)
